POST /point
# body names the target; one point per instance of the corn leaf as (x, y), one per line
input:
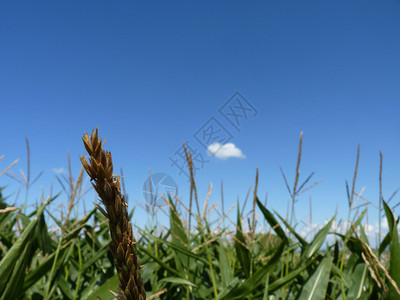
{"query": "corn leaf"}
(9, 260)
(317, 284)
(359, 278)
(256, 279)
(394, 270)
(319, 239)
(273, 222)
(241, 248)
(103, 292)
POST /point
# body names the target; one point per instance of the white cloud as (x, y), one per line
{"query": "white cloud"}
(371, 230)
(58, 170)
(384, 223)
(224, 151)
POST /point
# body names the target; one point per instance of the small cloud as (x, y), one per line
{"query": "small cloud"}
(225, 151)
(369, 229)
(384, 223)
(58, 170)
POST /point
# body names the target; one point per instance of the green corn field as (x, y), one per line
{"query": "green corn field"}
(198, 256)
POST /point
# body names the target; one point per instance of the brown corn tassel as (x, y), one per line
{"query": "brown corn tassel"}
(123, 245)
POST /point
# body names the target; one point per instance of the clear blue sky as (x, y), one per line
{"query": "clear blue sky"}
(150, 75)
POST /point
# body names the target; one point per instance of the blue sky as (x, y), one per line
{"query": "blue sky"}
(151, 75)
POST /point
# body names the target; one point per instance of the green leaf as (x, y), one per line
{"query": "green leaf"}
(65, 288)
(9, 260)
(273, 222)
(352, 243)
(178, 233)
(291, 229)
(225, 268)
(42, 269)
(359, 278)
(229, 287)
(177, 280)
(99, 254)
(5, 220)
(43, 236)
(242, 251)
(317, 284)
(14, 286)
(103, 292)
(288, 278)
(182, 250)
(394, 270)
(363, 235)
(158, 260)
(256, 279)
(359, 219)
(319, 239)
(385, 242)
(178, 237)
